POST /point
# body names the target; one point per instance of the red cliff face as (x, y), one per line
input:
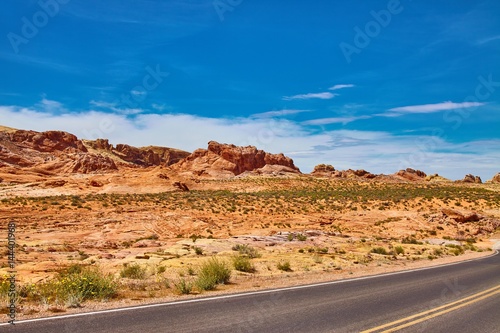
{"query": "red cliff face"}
(51, 151)
(49, 141)
(226, 160)
(144, 156)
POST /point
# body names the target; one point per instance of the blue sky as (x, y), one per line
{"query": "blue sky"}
(378, 85)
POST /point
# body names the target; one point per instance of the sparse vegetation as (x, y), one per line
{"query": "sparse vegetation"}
(243, 264)
(213, 272)
(134, 271)
(284, 265)
(379, 250)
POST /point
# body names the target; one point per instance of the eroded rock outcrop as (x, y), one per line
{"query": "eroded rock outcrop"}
(495, 179)
(327, 170)
(323, 170)
(49, 141)
(227, 160)
(411, 174)
(144, 156)
(472, 179)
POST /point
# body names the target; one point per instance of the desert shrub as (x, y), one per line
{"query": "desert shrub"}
(322, 250)
(183, 286)
(438, 252)
(399, 250)
(134, 271)
(301, 237)
(247, 250)
(198, 250)
(243, 264)
(410, 240)
(284, 266)
(379, 250)
(213, 272)
(73, 286)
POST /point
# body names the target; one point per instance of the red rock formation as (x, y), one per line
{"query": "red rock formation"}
(145, 156)
(89, 163)
(226, 160)
(411, 174)
(472, 179)
(326, 170)
(49, 141)
(323, 170)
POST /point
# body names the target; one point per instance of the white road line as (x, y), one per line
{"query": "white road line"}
(260, 292)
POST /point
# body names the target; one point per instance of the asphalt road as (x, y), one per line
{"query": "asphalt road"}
(462, 297)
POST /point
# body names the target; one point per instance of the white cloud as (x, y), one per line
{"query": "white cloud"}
(322, 95)
(341, 86)
(377, 152)
(278, 113)
(334, 120)
(487, 40)
(431, 108)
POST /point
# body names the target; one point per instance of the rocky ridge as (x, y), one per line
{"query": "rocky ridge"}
(227, 160)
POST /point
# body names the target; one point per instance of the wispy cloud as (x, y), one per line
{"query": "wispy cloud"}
(341, 86)
(113, 107)
(431, 108)
(487, 40)
(278, 113)
(334, 120)
(322, 95)
(375, 151)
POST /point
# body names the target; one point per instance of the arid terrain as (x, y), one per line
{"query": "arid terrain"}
(149, 218)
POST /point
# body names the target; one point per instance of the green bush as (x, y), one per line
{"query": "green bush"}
(399, 250)
(134, 271)
(243, 264)
(183, 286)
(301, 237)
(379, 250)
(247, 250)
(73, 286)
(284, 266)
(213, 272)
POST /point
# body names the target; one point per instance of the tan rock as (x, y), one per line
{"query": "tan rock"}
(495, 179)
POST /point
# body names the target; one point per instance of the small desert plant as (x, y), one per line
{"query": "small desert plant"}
(183, 286)
(73, 286)
(213, 272)
(379, 250)
(301, 237)
(284, 266)
(198, 250)
(243, 264)
(134, 271)
(247, 250)
(399, 250)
